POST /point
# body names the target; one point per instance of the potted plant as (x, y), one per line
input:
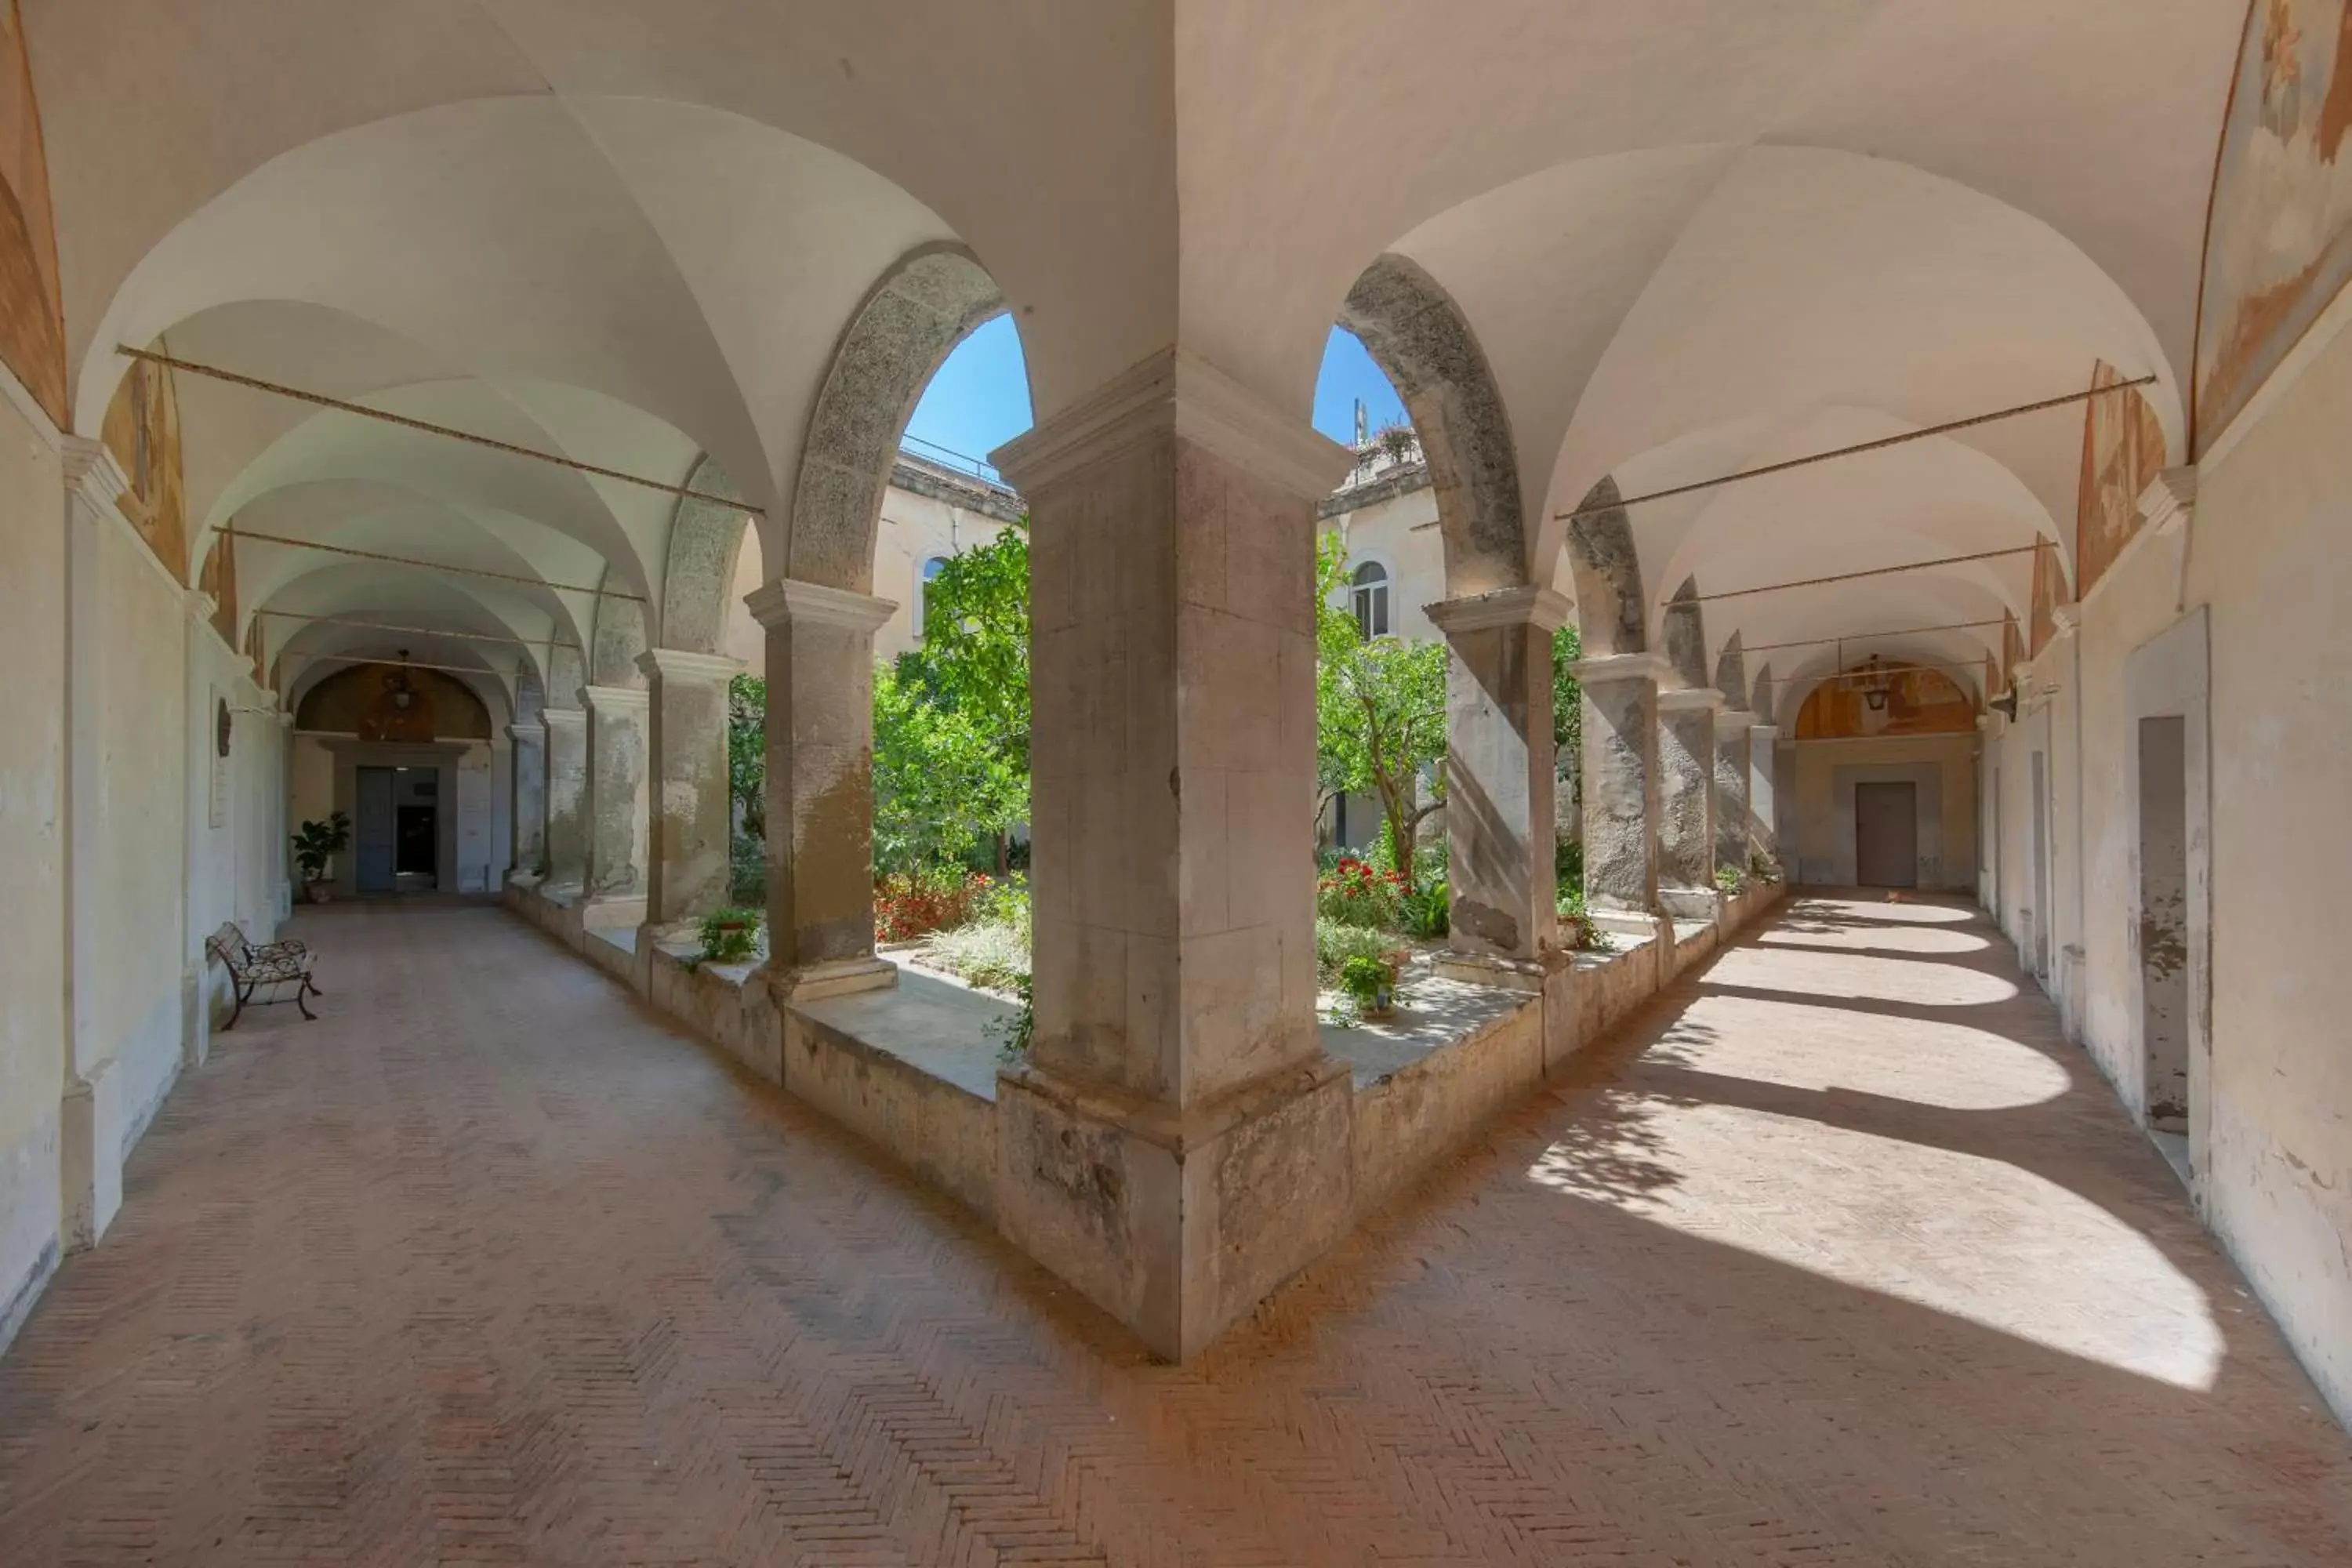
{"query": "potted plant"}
(731, 935)
(1370, 983)
(317, 844)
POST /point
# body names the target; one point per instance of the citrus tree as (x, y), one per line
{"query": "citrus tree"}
(1380, 709)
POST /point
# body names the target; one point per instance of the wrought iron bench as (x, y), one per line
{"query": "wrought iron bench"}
(276, 966)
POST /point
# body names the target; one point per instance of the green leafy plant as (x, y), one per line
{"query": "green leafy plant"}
(318, 842)
(1567, 865)
(992, 955)
(1369, 982)
(1731, 880)
(1336, 942)
(1763, 869)
(1577, 932)
(730, 935)
(1014, 1034)
(1379, 711)
(1428, 909)
(747, 789)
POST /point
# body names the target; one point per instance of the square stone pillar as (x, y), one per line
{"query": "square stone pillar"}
(1621, 788)
(1500, 783)
(1178, 1144)
(1763, 825)
(615, 814)
(1731, 771)
(567, 797)
(689, 867)
(530, 794)
(1686, 781)
(820, 736)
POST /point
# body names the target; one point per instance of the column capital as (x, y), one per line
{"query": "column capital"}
(787, 601)
(1177, 391)
(563, 718)
(94, 479)
(1616, 666)
(2170, 501)
(1734, 722)
(1767, 733)
(523, 729)
(1690, 699)
(677, 664)
(615, 699)
(1536, 607)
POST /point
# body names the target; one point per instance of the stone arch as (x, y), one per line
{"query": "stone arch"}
(618, 640)
(1419, 336)
(1762, 701)
(1610, 613)
(1731, 673)
(704, 540)
(566, 674)
(530, 698)
(1684, 637)
(927, 302)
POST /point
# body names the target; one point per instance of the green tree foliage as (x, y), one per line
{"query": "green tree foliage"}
(1566, 699)
(1379, 708)
(747, 752)
(951, 715)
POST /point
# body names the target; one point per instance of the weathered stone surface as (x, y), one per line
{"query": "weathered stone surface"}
(1419, 336)
(616, 809)
(1686, 788)
(1763, 832)
(1612, 616)
(1732, 772)
(1500, 775)
(1620, 781)
(688, 867)
(705, 537)
(1684, 641)
(529, 783)
(567, 796)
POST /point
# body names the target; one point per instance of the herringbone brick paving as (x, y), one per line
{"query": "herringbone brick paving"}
(1840, 1256)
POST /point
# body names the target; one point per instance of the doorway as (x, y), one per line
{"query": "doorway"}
(398, 830)
(1886, 834)
(2161, 933)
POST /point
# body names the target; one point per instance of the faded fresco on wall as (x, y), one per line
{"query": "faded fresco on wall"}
(394, 702)
(2278, 246)
(32, 323)
(2012, 646)
(2123, 450)
(1897, 701)
(2048, 592)
(218, 582)
(142, 431)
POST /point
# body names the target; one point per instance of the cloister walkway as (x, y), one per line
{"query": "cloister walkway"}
(1839, 1255)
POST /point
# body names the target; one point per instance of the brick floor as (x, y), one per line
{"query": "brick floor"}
(1839, 1256)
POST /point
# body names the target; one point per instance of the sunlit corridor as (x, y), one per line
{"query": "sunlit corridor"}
(1840, 1255)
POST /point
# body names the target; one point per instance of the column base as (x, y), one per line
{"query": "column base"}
(607, 912)
(1692, 903)
(89, 1137)
(1503, 974)
(1175, 1222)
(838, 978)
(1638, 924)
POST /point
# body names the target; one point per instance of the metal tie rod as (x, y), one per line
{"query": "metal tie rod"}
(322, 400)
(1855, 450)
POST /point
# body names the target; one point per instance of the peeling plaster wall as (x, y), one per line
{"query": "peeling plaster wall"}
(2269, 554)
(32, 857)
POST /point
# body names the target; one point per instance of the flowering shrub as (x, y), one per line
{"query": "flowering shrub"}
(1352, 893)
(908, 903)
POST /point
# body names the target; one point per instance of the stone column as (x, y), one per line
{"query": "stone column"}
(1763, 827)
(615, 815)
(567, 797)
(529, 794)
(1178, 1143)
(1731, 770)
(1687, 801)
(1499, 782)
(1621, 788)
(688, 868)
(820, 789)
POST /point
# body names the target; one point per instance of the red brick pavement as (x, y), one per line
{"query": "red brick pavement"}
(1839, 1257)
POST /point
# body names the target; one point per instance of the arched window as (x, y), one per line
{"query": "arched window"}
(931, 567)
(1370, 592)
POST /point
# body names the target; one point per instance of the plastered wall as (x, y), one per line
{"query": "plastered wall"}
(32, 857)
(2270, 1074)
(1942, 767)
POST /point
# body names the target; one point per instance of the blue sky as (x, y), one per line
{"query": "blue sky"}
(980, 399)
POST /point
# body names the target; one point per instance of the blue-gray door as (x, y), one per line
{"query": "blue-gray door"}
(378, 834)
